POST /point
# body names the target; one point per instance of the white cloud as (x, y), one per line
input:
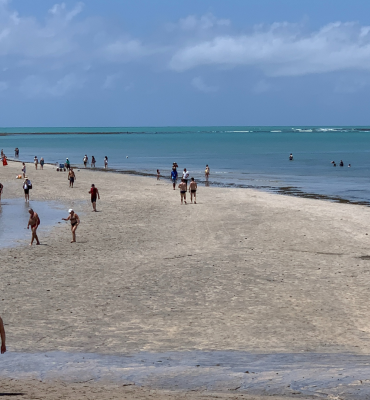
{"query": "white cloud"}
(206, 21)
(37, 86)
(283, 50)
(110, 80)
(199, 84)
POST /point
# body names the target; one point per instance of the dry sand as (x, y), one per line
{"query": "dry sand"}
(241, 270)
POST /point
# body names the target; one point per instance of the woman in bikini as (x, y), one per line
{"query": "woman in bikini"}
(75, 221)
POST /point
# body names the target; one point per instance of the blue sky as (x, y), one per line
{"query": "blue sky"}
(191, 62)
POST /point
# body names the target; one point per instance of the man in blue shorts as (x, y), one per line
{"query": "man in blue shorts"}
(174, 177)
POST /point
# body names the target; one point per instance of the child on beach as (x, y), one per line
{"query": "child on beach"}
(24, 170)
(193, 190)
(182, 187)
(158, 174)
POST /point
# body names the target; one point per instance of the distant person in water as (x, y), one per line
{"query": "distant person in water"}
(2, 336)
(75, 221)
(174, 165)
(42, 162)
(174, 177)
(94, 194)
(206, 172)
(290, 157)
(93, 161)
(16, 152)
(34, 222)
(71, 177)
(334, 164)
(1, 189)
(105, 162)
(349, 165)
(182, 186)
(158, 174)
(24, 170)
(85, 160)
(341, 163)
(193, 190)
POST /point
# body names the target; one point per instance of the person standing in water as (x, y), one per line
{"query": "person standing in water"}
(75, 221)
(34, 222)
(16, 152)
(105, 162)
(206, 172)
(182, 186)
(290, 157)
(94, 192)
(71, 177)
(93, 161)
(2, 336)
(26, 188)
(85, 160)
(193, 190)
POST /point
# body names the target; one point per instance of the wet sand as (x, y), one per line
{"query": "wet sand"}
(240, 271)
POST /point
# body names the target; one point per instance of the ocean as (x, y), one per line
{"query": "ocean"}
(248, 157)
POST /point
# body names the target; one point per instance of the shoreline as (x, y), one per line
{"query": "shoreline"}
(242, 272)
(294, 191)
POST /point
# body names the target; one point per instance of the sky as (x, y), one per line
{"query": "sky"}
(184, 62)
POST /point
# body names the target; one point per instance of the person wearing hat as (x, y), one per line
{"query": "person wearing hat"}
(75, 221)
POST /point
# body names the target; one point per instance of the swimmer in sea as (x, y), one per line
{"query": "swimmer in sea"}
(349, 165)
(193, 190)
(34, 222)
(182, 186)
(290, 157)
(341, 163)
(75, 221)
(2, 336)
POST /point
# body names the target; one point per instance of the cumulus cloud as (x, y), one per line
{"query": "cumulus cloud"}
(199, 84)
(283, 50)
(192, 22)
(37, 86)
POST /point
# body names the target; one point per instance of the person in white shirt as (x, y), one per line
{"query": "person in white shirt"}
(185, 177)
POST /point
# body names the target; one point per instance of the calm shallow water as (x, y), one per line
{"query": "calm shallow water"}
(320, 375)
(14, 218)
(242, 156)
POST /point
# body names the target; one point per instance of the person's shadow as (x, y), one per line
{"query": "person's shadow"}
(11, 394)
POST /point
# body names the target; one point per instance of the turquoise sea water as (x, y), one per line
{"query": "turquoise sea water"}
(241, 156)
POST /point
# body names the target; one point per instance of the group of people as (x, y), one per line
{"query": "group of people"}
(183, 185)
(93, 161)
(341, 164)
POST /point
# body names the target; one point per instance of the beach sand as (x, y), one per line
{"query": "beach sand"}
(241, 270)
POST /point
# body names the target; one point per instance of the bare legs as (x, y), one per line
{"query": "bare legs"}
(183, 198)
(73, 229)
(94, 206)
(195, 197)
(34, 235)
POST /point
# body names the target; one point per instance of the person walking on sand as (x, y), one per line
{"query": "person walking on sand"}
(185, 177)
(193, 190)
(85, 160)
(24, 170)
(93, 161)
(94, 192)
(71, 177)
(182, 186)
(2, 336)
(75, 221)
(206, 172)
(1, 189)
(36, 161)
(105, 162)
(26, 187)
(42, 162)
(158, 174)
(174, 177)
(34, 222)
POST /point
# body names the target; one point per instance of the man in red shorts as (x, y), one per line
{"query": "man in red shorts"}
(94, 193)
